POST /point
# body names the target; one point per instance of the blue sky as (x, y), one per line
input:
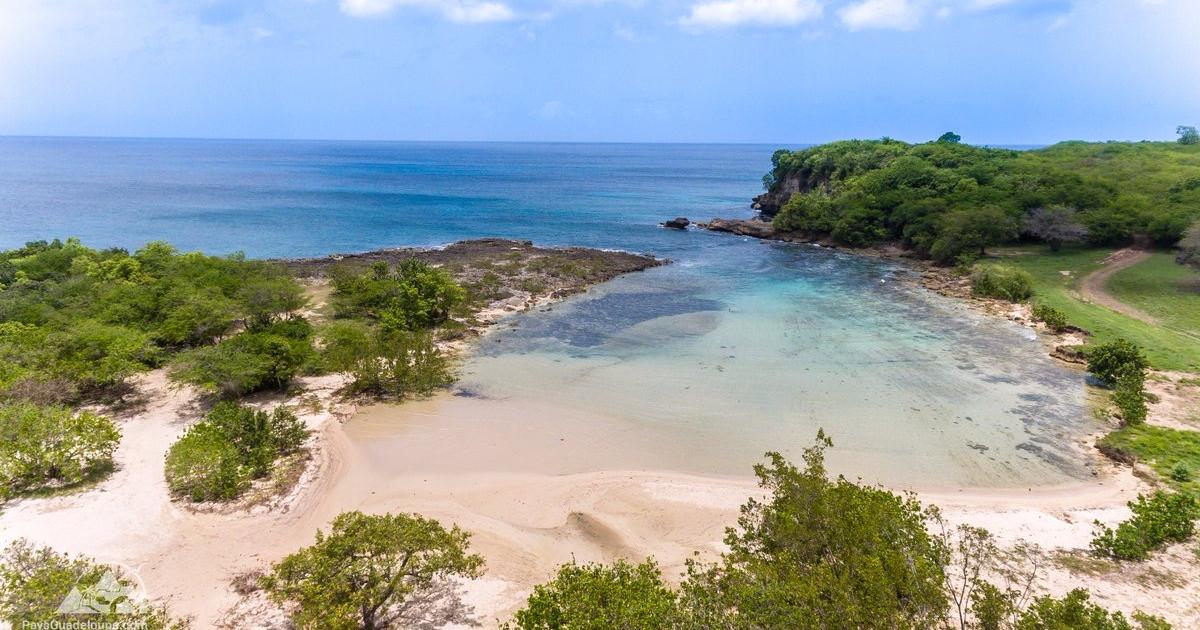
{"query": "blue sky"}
(775, 71)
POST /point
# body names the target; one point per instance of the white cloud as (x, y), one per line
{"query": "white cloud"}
(549, 110)
(725, 13)
(453, 10)
(898, 14)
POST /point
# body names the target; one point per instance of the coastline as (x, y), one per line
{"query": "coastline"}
(524, 523)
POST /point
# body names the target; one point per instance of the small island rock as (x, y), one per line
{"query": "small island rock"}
(679, 223)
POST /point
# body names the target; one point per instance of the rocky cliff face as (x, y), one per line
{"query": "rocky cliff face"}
(769, 203)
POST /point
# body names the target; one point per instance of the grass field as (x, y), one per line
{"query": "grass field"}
(1162, 449)
(1157, 286)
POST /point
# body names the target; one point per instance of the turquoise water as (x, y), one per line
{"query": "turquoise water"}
(738, 347)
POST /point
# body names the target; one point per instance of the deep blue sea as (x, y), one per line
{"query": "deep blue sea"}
(299, 198)
(737, 348)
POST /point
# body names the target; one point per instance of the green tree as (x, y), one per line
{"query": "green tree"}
(1110, 361)
(1075, 611)
(620, 596)
(1160, 518)
(35, 581)
(366, 571)
(1187, 134)
(949, 138)
(52, 446)
(972, 231)
(414, 296)
(204, 465)
(818, 550)
(245, 363)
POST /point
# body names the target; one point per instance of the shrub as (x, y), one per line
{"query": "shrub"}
(364, 572)
(1181, 472)
(35, 582)
(398, 364)
(1129, 395)
(1075, 611)
(413, 297)
(52, 446)
(246, 363)
(1003, 282)
(218, 456)
(1054, 225)
(821, 549)
(204, 465)
(620, 595)
(1160, 518)
(1053, 318)
(1108, 362)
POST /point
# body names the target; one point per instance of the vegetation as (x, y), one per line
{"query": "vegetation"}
(414, 296)
(1122, 366)
(52, 447)
(1189, 247)
(1162, 448)
(368, 570)
(1003, 282)
(821, 553)
(265, 359)
(75, 322)
(1055, 225)
(1156, 286)
(600, 597)
(1158, 519)
(35, 582)
(1075, 611)
(1187, 134)
(397, 363)
(234, 444)
(946, 199)
(1053, 318)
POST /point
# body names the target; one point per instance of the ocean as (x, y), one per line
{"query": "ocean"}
(736, 348)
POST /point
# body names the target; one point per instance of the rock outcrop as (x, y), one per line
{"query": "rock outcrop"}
(678, 223)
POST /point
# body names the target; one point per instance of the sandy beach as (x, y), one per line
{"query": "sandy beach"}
(527, 513)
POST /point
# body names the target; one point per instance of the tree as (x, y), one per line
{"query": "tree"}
(366, 571)
(1188, 134)
(233, 444)
(967, 231)
(396, 363)
(52, 445)
(599, 597)
(36, 581)
(1110, 361)
(949, 138)
(1075, 611)
(818, 550)
(1160, 518)
(248, 362)
(1055, 225)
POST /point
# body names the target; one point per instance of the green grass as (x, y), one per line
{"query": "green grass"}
(1172, 346)
(1161, 448)
(1160, 287)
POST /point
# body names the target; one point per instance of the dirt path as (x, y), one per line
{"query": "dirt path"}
(1094, 286)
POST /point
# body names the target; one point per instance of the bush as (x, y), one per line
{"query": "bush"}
(620, 595)
(1108, 362)
(1129, 395)
(1053, 318)
(1181, 472)
(52, 446)
(368, 569)
(1003, 282)
(818, 549)
(35, 582)
(217, 457)
(204, 465)
(1075, 611)
(1158, 519)
(413, 297)
(399, 364)
(248, 362)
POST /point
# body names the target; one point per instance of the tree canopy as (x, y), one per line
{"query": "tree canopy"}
(946, 199)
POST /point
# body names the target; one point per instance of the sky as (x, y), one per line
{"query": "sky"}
(771, 71)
